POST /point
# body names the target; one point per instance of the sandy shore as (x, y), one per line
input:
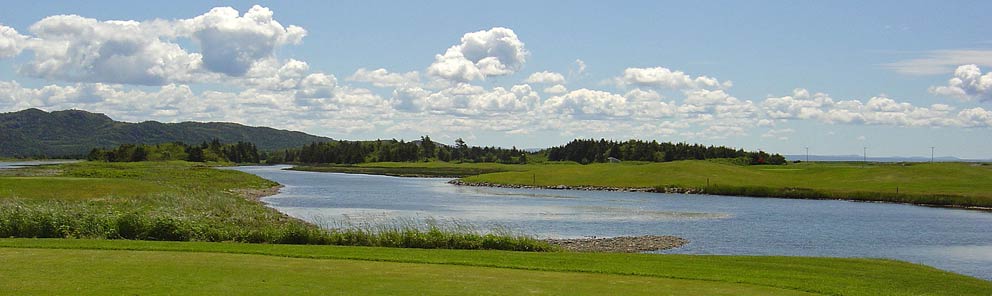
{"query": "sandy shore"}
(257, 194)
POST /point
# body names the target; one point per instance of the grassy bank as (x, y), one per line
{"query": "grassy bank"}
(180, 201)
(207, 267)
(949, 184)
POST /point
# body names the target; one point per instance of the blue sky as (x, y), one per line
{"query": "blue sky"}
(897, 76)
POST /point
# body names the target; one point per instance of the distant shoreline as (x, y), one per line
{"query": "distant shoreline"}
(717, 190)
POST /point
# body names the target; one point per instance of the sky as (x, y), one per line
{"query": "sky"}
(897, 77)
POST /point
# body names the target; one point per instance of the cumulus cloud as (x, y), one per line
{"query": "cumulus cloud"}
(556, 89)
(665, 78)
(967, 84)
(468, 100)
(232, 43)
(74, 48)
(11, 42)
(78, 49)
(493, 52)
(878, 110)
(587, 104)
(383, 78)
(546, 77)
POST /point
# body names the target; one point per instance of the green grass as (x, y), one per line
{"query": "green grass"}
(954, 184)
(181, 201)
(75, 188)
(175, 267)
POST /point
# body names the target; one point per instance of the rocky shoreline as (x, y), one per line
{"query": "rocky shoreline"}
(623, 244)
(459, 182)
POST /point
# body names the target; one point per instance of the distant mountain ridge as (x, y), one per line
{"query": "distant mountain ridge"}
(34, 132)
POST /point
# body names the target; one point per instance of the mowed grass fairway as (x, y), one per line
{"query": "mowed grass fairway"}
(962, 184)
(53, 266)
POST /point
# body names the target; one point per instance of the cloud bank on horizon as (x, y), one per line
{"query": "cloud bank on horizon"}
(142, 70)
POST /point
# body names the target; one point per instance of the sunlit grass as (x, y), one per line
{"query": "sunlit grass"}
(962, 184)
(829, 276)
(180, 201)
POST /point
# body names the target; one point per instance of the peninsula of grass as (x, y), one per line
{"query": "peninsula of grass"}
(940, 184)
(182, 201)
(144, 267)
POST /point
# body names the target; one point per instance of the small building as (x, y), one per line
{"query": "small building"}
(612, 160)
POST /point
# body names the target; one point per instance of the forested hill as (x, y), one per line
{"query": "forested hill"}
(33, 132)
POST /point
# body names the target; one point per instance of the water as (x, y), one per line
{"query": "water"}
(950, 239)
(17, 164)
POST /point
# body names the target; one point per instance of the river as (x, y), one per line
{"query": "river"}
(951, 239)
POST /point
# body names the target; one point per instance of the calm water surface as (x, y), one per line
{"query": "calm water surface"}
(950, 239)
(17, 164)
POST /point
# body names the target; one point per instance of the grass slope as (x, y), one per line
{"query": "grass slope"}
(961, 184)
(173, 273)
(706, 274)
(187, 201)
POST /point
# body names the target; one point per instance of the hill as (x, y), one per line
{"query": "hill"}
(34, 132)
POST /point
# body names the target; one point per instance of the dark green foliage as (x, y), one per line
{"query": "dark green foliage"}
(587, 151)
(446, 172)
(353, 152)
(36, 133)
(240, 152)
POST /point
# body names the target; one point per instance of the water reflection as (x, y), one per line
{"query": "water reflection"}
(956, 240)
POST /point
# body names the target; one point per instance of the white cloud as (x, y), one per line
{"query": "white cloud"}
(78, 49)
(875, 111)
(556, 89)
(587, 104)
(383, 78)
(468, 100)
(231, 44)
(74, 48)
(580, 67)
(493, 52)
(941, 61)
(11, 42)
(546, 77)
(665, 78)
(317, 85)
(968, 83)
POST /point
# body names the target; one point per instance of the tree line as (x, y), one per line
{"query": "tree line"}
(589, 150)
(352, 152)
(240, 152)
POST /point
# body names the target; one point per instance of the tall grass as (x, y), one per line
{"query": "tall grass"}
(429, 233)
(69, 220)
(196, 203)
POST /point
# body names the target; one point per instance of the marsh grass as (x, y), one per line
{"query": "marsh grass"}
(807, 193)
(944, 184)
(428, 233)
(179, 201)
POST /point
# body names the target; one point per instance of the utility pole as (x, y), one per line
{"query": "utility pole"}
(807, 154)
(865, 159)
(931, 154)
